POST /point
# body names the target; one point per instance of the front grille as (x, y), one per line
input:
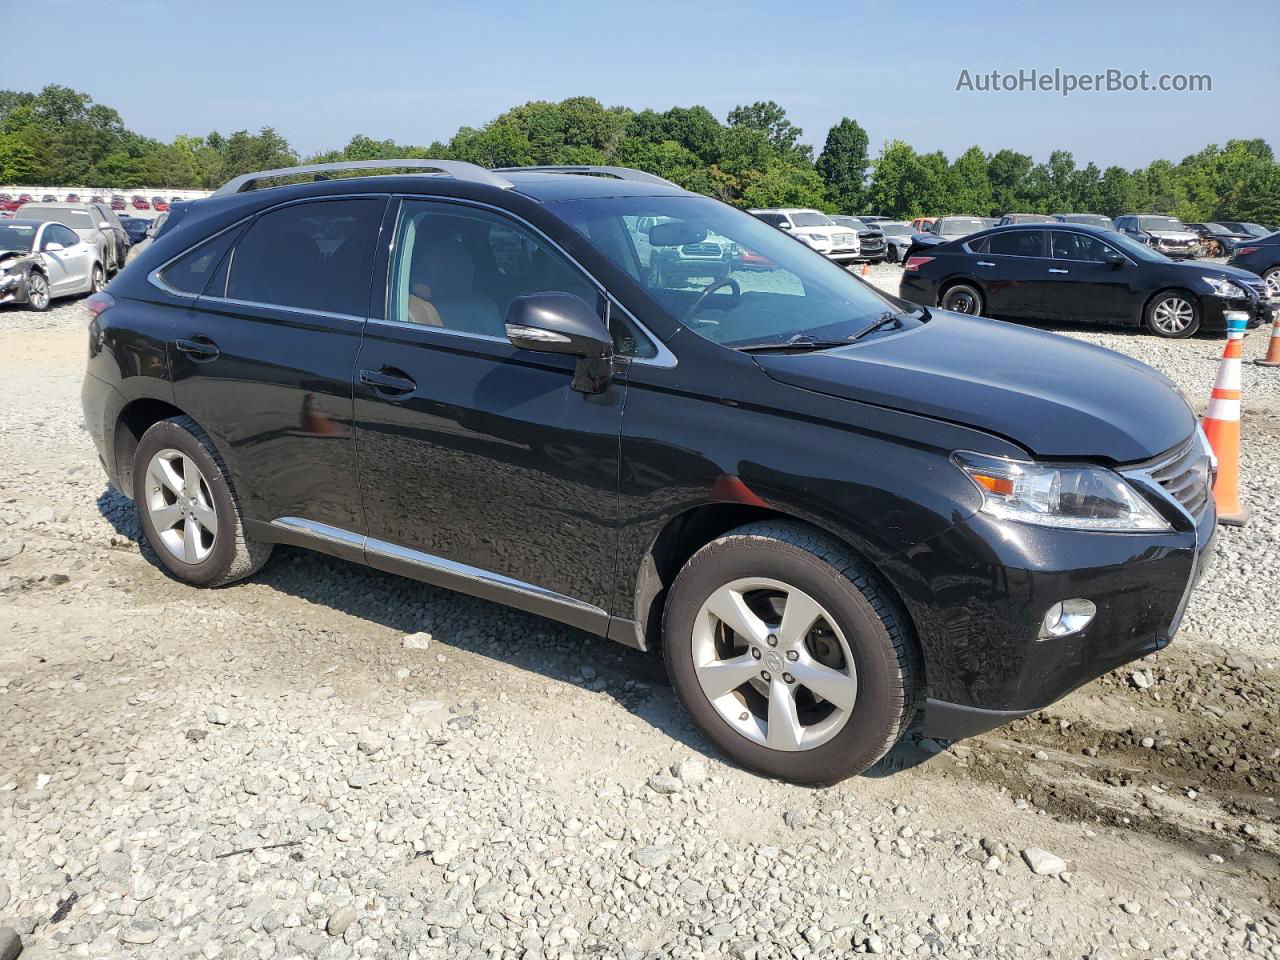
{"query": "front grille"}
(845, 239)
(705, 251)
(1185, 477)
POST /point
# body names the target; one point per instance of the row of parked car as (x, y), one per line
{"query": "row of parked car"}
(9, 204)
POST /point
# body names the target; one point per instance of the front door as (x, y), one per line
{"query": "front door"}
(1083, 286)
(68, 266)
(264, 361)
(481, 468)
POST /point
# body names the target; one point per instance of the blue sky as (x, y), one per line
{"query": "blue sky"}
(322, 70)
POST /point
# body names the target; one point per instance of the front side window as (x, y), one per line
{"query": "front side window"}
(722, 273)
(1079, 247)
(316, 255)
(1017, 243)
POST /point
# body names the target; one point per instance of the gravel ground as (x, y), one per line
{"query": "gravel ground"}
(331, 762)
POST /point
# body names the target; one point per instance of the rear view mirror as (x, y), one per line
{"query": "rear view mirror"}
(564, 323)
(675, 233)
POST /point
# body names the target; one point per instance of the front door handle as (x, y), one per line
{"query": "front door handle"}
(985, 263)
(388, 380)
(1056, 270)
(199, 349)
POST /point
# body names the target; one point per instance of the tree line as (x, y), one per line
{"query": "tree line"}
(754, 158)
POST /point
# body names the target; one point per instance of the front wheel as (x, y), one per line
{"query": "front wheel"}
(97, 279)
(1173, 315)
(788, 655)
(38, 297)
(1271, 279)
(189, 510)
(962, 298)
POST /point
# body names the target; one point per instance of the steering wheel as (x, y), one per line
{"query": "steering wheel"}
(707, 290)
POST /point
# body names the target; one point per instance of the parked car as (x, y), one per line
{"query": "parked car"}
(873, 218)
(48, 198)
(140, 203)
(1089, 219)
(41, 260)
(1246, 229)
(159, 204)
(814, 229)
(871, 244)
(565, 436)
(1260, 256)
(942, 230)
(93, 222)
(988, 222)
(1075, 272)
(96, 199)
(1215, 239)
(8, 203)
(1169, 235)
(117, 203)
(25, 198)
(72, 198)
(706, 257)
(1010, 218)
(897, 238)
(136, 228)
(922, 224)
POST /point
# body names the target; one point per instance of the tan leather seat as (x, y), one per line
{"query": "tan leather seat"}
(421, 309)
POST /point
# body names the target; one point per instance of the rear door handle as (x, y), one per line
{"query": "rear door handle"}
(1056, 270)
(200, 349)
(985, 263)
(388, 380)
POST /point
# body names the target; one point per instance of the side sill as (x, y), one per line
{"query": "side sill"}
(628, 633)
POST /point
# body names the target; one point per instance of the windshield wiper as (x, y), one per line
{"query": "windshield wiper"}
(881, 321)
(800, 342)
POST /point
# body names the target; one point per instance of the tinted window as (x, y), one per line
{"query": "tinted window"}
(979, 245)
(16, 237)
(312, 256)
(773, 219)
(1078, 246)
(811, 220)
(57, 233)
(1017, 243)
(190, 273)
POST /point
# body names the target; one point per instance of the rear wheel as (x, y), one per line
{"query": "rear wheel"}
(788, 655)
(962, 298)
(1173, 314)
(98, 279)
(188, 508)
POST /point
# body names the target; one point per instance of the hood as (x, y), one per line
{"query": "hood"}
(821, 231)
(1220, 270)
(9, 258)
(1055, 396)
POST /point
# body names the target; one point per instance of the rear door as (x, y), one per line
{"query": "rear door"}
(264, 359)
(481, 468)
(1083, 286)
(1014, 272)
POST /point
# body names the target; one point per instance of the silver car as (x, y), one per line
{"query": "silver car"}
(41, 260)
(94, 222)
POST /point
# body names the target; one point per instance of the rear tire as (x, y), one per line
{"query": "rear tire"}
(962, 298)
(849, 639)
(188, 508)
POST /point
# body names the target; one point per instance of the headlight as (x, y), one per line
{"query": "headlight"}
(1076, 498)
(1225, 288)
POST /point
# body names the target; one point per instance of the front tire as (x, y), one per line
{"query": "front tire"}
(1173, 314)
(788, 654)
(963, 298)
(188, 508)
(97, 279)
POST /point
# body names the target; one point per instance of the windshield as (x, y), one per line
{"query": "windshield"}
(1092, 219)
(959, 228)
(763, 287)
(16, 237)
(1163, 223)
(1139, 251)
(811, 220)
(852, 223)
(1257, 229)
(75, 219)
(895, 229)
(1216, 228)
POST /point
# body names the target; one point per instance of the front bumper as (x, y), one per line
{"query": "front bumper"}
(978, 594)
(13, 289)
(840, 254)
(1213, 311)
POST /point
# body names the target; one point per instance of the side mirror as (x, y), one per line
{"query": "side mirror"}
(53, 247)
(564, 323)
(104, 225)
(784, 225)
(1115, 259)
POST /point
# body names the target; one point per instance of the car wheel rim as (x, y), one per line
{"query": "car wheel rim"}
(97, 279)
(774, 664)
(38, 292)
(181, 506)
(962, 302)
(1273, 284)
(1173, 315)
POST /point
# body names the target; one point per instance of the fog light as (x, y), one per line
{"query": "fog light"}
(1067, 617)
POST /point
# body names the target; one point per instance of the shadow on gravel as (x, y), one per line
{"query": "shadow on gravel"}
(1060, 326)
(456, 620)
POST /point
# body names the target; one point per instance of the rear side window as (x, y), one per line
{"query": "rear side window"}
(1017, 243)
(310, 256)
(190, 273)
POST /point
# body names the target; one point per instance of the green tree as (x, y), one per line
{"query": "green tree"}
(1010, 176)
(784, 136)
(970, 184)
(843, 165)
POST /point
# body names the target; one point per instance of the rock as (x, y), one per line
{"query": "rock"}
(143, 888)
(795, 819)
(195, 736)
(115, 866)
(1131, 908)
(310, 942)
(1140, 679)
(5, 895)
(141, 931)
(416, 641)
(663, 783)
(691, 772)
(653, 857)
(135, 782)
(588, 673)
(1043, 863)
(339, 920)
(219, 715)
(873, 944)
(10, 549)
(691, 892)
(10, 943)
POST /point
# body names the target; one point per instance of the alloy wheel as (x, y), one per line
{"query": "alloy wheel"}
(1173, 315)
(181, 506)
(99, 280)
(774, 664)
(1272, 281)
(38, 291)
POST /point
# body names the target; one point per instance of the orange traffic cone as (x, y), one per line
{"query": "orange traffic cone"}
(866, 270)
(1222, 426)
(1272, 359)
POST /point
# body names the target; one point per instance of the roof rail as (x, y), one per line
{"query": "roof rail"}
(622, 173)
(457, 169)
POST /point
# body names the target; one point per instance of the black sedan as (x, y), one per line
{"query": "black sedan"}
(1077, 272)
(136, 228)
(1262, 257)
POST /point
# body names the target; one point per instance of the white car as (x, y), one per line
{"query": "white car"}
(41, 260)
(95, 222)
(816, 229)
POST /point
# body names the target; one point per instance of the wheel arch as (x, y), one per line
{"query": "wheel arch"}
(687, 532)
(956, 280)
(134, 419)
(1172, 288)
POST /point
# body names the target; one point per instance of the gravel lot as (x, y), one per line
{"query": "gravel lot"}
(327, 761)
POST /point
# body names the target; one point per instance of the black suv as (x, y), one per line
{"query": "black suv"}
(827, 506)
